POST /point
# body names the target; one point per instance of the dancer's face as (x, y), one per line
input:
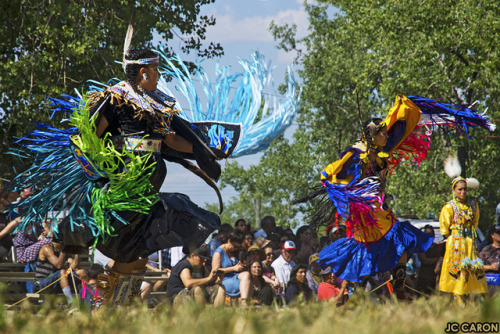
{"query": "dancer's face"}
(381, 137)
(153, 74)
(460, 190)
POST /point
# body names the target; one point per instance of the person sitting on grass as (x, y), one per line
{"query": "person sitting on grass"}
(313, 274)
(182, 284)
(255, 254)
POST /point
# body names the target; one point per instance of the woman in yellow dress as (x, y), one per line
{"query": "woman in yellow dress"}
(462, 272)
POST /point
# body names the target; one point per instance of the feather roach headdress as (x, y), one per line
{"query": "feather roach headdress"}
(453, 170)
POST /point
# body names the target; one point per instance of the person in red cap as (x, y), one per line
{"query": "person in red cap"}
(284, 263)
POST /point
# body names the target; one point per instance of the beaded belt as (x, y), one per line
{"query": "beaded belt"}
(137, 144)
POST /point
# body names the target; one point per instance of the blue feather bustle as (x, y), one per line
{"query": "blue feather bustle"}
(235, 98)
(61, 184)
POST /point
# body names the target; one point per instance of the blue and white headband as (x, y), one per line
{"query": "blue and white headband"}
(144, 61)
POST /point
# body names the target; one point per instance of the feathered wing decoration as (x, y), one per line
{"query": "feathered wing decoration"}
(66, 179)
(235, 98)
(404, 143)
(450, 116)
(412, 119)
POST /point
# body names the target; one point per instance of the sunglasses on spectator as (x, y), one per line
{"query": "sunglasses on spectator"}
(269, 254)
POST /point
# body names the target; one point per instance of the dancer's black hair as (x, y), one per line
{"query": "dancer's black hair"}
(132, 70)
(366, 132)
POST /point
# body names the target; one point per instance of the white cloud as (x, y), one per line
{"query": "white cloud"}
(255, 28)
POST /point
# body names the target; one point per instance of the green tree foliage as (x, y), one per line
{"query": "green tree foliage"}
(50, 47)
(357, 57)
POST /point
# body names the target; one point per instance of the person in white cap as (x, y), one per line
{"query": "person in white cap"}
(284, 263)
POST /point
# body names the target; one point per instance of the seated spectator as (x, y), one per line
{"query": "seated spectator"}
(491, 258)
(50, 268)
(236, 281)
(289, 234)
(7, 222)
(261, 242)
(297, 286)
(313, 276)
(337, 232)
(183, 286)
(426, 278)
(220, 238)
(268, 226)
(241, 226)
(307, 243)
(267, 269)
(275, 241)
(256, 254)
(284, 263)
(330, 289)
(157, 285)
(29, 244)
(491, 253)
(247, 240)
(262, 292)
(89, 292)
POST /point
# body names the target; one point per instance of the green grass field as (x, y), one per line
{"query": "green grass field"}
(420, 316)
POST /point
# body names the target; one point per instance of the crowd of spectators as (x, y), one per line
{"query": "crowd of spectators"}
(238, 265)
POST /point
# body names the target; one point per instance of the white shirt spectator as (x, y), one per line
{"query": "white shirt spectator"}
(282, 269)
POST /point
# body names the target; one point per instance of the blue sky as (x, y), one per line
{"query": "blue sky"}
(241, 27)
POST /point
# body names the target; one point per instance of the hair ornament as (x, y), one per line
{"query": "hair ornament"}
(453, 170)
